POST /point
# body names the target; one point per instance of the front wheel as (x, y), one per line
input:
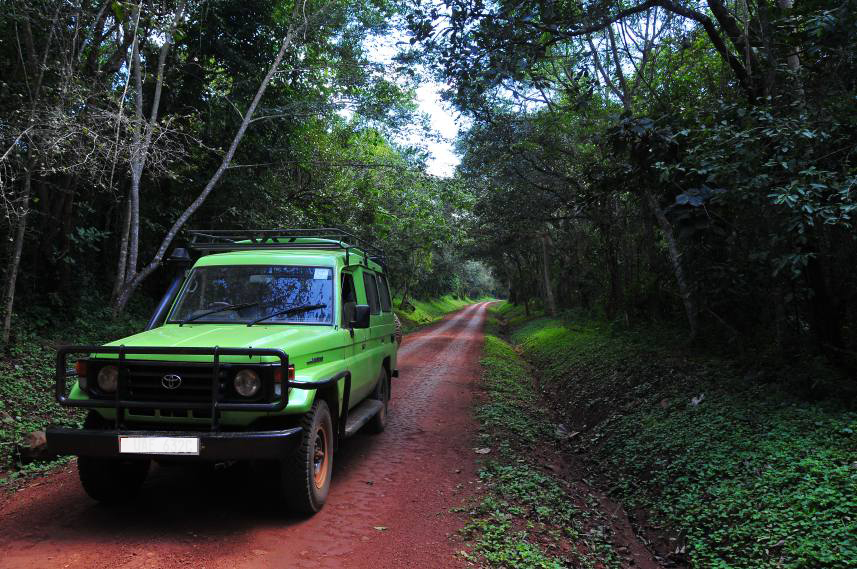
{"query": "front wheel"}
(306, 473)
(112, 480)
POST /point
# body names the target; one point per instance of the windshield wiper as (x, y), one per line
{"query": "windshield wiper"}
(218, 309)
(292, 310)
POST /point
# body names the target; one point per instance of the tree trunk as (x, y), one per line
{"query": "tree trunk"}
(132, 283)
(793, 60)
(826, 318)
(614, 296)
(678, 267)
(405, 294)
(21, 228)
(122, 263)
(550, 303)
(17, 249)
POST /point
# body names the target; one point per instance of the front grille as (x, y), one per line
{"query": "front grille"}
(183, 413)
(145, 382)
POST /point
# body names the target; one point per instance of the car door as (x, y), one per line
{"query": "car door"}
(350, 297)
(362, 374)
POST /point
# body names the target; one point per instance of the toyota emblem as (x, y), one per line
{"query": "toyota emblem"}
(171, 381)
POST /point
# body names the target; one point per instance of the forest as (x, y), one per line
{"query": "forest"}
(686, 167)
(690, 161)
(124, 124)
(682, 162)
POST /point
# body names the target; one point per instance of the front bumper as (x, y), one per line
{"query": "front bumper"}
(242, 445)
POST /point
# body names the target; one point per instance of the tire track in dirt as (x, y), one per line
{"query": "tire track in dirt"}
(404, 480)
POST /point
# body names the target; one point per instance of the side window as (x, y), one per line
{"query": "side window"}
(371, 293)
(349, 298)
(386, 305)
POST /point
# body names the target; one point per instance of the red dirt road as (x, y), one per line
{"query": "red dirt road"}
(403, 481)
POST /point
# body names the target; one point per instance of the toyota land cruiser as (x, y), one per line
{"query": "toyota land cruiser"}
(272, 346)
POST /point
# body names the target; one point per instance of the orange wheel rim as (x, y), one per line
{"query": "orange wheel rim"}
(321, 457)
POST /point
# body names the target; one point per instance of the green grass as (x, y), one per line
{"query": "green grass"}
(524, 517)
(424, 312)
(512, 316)
(751, 477)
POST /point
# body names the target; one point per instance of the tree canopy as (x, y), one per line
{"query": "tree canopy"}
(653, 159)
(124, 123)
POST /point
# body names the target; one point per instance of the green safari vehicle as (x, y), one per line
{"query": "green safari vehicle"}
(272, 346)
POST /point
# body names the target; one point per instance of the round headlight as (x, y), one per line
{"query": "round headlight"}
(247, 383)
(108, 377)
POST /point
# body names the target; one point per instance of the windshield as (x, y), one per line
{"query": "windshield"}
(243, 294)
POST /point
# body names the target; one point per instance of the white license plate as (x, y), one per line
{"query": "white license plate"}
(159, 445)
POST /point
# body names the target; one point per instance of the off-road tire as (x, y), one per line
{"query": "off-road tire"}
(110, 480)
(378, 423)
(306, 473)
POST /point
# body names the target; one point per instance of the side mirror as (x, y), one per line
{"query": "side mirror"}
(180, 257)
(361, 316)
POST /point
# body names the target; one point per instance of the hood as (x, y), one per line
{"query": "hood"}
(295, 340)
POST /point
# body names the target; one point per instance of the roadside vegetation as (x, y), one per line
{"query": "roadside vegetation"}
(525, 515)
(721, 464)
(418, 313)
(27, 403)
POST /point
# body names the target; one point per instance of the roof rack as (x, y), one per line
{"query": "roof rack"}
(223, 240)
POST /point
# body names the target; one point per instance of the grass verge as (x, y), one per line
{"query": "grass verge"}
(525, 516)
(421, 313)
(746, 473)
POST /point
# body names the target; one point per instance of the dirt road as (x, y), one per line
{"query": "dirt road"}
(388, 506)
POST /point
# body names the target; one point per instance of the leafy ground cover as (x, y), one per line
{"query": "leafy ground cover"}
(525, 514)
(746, 473)
(419, 313)
(27, 383)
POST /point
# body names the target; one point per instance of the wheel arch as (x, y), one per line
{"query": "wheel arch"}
(330, 395)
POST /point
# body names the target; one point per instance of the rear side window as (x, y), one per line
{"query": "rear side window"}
(386, 305)
(371, 293)
(349, 299)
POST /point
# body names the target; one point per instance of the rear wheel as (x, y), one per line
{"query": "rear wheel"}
(378, 423)
(306, 474)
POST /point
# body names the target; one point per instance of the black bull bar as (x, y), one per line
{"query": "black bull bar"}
(120, 402)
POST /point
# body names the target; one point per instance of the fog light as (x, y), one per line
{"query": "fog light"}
(108, 377)
(247, 383)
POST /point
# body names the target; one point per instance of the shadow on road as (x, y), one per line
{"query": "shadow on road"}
(177, 503)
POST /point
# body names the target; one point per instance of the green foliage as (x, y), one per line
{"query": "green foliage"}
(324, 148)
(420, 313)
(675, 173)
(512, 403)
(500, 546)
(750, 475)
(524, 517)
(27, 388)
